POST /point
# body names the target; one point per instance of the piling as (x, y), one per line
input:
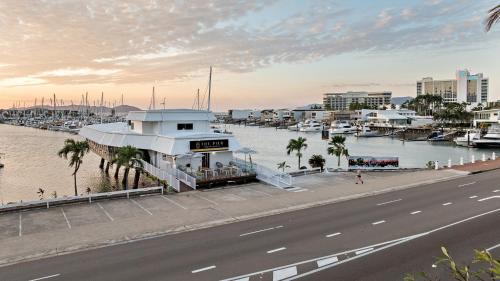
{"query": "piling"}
(101, 165)
(473, 159)
(493, 156)
(461, 161)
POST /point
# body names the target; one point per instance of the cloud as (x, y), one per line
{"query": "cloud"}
(120, 41)
(21, 81)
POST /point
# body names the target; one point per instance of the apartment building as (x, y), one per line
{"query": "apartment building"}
(342, 101)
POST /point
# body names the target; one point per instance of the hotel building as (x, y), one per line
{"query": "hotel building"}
(342, 101)
(469, 88)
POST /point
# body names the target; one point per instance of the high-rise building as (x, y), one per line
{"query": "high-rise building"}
(342, 101)
(469, 88)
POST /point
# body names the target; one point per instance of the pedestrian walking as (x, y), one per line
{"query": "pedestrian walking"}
(358, 177)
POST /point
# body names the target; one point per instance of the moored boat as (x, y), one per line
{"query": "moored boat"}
(491, 139)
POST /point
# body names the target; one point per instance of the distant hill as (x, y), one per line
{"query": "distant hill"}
(125, 108)
(400, 100)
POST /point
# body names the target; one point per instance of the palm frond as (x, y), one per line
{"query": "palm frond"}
(493, 17)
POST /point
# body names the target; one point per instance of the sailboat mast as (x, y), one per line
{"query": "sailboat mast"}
(209, 87)
(198, 99)
(102, 101)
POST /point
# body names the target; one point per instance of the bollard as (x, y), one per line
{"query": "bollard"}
(493, 156)
(47, 204)
(90, 199)
(484, 157)
(473, 159)
(461, 160)
(449, 163)
(436, 165)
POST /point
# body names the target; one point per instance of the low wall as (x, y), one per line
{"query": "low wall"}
(47, 203)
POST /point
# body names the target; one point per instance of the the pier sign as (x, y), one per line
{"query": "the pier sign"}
(373, 163)
(209, 145)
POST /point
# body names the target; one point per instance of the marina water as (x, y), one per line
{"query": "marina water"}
(31, 160)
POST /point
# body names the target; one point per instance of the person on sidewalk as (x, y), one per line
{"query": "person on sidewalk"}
(358, 177)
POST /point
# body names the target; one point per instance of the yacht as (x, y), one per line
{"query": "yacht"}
(341, 127)
(436, 136)
(365, 132)
(468, 139)
(311, 126)
(491, 139)
(296, 127)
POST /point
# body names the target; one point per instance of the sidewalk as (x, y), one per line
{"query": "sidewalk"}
(59, 230)
(479, 166)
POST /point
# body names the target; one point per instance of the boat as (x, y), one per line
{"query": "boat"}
(436, 136)
(491, 139)
(341, 127)
(468, 139)
(365, 132)
(311, 126)
(296, 127)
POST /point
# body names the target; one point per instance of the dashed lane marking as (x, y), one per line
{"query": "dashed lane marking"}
(173, 202)
(66, 218)
(45, 277)
(105, 212)
(378, 222)
(203, 269)
(276, 250)
(142, 207)
(497, 190)
(473, 196)
(466, 184)
(333, 234)
(447, 203)
(261, 230)
(415, 212)
(389, 202)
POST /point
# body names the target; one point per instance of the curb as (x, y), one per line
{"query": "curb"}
(150, 235)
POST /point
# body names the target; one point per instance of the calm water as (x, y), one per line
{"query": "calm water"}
(31, 160)
(271, 146)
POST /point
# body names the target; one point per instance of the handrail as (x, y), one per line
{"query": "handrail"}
(267, 175)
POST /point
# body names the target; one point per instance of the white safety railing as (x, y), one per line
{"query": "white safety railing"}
(47, 203)
(171, 175)
(265, 174)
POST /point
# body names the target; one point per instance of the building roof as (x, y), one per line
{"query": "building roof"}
(171, 115)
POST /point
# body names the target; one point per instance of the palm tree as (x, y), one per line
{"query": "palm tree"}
(296, 145)
(77, 149)
(493, 17)
(317, 161)
(337, 147)
(283, 165)
(129, 157)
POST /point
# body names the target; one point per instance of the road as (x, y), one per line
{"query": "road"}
(271, 247)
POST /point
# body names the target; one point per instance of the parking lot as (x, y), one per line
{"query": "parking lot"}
(108, 211)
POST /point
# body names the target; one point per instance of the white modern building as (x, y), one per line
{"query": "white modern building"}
(311, 112)
(489, 116)
(244, 114)
(342, 101)
(386, 117)
(177, 144)
(466, 87)
(281, 115)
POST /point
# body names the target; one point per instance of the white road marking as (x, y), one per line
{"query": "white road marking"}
(140, 206)
(243, 279)
(447, 203)
(363, 251)
(203, 269)
(493, 247)
(327, 261)
(261, 230)
(300, 190)
(105, 212)
(66, 218)
(488, 198)
(497, 190)
(333, 234)
(415, 212)
(206, 199)
(466, 184)
(284, 273)
(258, 191)
(294, 188)
(45, 277)
(378, 222)
(20, 224)
(389, 202)
(173, 202)
(276, 250)
(473, 196)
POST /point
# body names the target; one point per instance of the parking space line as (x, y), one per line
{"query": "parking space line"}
(140, 206)
(105, 212)
(258, 191)
(206, 199)
(66, 218)
(203, 269)
(45, 277)
(173, 202)
(415, 212)
(20, 224)
(276, 250)
(447, 203)
(378, 222)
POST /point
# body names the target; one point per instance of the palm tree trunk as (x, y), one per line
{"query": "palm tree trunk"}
(136, 178)
(117, 171)
(338, 160)
(125, 178)
(74, 178)
(299, 162)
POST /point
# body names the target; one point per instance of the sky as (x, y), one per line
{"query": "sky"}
(265, 54)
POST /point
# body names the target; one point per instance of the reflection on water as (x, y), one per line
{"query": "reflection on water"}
(31, 163)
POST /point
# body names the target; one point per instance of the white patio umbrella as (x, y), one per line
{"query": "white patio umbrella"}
(246, 150)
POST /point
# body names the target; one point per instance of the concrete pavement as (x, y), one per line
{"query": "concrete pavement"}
(259, 249)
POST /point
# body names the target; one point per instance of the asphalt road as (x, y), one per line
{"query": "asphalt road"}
(270, 247)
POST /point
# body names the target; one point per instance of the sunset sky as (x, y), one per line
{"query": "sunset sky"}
(265, 54)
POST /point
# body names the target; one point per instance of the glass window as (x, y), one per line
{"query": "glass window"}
(184, 126)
